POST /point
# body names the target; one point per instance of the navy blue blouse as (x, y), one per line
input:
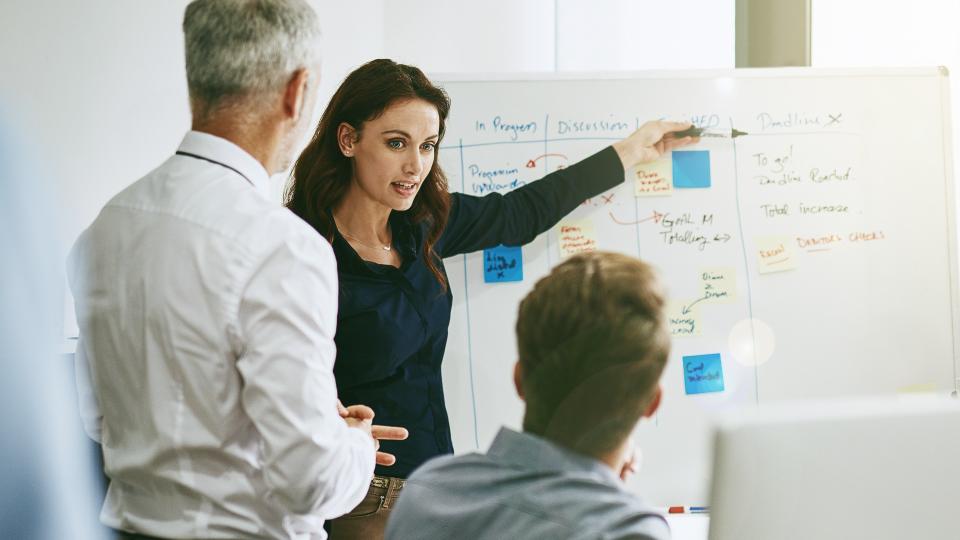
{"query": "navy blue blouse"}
(392, 323)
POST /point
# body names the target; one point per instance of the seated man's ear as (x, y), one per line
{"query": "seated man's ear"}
(654, 403)
(518, 378)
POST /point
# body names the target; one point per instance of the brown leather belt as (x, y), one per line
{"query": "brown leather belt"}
(384, 482)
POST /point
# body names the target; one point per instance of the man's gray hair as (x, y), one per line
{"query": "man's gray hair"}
(246, 48)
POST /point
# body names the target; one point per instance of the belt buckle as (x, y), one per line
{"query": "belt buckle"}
(384, 482)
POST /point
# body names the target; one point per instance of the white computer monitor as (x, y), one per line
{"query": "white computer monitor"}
(878, 469)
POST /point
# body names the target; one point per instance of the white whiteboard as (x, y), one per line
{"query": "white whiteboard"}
(865, 172)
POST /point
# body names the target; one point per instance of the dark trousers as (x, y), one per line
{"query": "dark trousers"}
(368, 521)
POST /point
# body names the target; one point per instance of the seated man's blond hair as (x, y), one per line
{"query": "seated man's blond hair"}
(593, 342)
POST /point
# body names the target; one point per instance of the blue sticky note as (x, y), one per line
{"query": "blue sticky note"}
(691, 169)
(502, 264)
(702, 374)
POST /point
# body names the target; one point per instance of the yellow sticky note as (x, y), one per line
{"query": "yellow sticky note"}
(775, 254)
(654, 178)
(719, 285)
(576, 237)
(684, 318)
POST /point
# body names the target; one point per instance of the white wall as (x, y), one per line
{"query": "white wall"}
(99, 86)
(459, 36)
(890, 33)
(885, 33)
(610, 35)
(499, 36)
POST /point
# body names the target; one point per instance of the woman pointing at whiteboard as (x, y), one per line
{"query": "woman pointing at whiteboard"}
(370, 183)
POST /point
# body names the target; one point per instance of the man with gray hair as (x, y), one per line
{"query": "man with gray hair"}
(207, 312)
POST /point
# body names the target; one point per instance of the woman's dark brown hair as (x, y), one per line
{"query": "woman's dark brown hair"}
(322, 174)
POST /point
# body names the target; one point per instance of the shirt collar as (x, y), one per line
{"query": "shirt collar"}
(536, 454)
(218, 149)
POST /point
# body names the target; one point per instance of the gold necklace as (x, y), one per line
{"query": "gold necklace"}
(387, 247)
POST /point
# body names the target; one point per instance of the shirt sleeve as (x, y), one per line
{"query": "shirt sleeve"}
(312, 461)
(90, 413)
(517, 218)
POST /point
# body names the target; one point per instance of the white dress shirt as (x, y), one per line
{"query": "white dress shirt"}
(205, 361)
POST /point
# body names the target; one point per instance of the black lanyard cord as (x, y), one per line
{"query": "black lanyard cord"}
(194, 156)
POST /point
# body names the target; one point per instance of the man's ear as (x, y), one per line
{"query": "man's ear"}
(295, 94)
(518, 378)
(654, 403)
(346, 138)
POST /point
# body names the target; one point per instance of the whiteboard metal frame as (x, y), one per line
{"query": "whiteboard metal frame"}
(951, 204)
(749, 73)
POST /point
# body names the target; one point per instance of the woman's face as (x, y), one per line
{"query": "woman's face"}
(394, 152)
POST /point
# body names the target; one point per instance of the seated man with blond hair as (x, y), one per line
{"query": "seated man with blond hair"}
(593, 342)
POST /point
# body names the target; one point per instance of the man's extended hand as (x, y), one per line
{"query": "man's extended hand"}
(388, 433)
(362, 416)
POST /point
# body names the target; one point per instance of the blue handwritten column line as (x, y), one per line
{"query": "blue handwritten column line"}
(546, 164)
(636, 219)
(466, 304)
(546, 151)
(746, 270)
